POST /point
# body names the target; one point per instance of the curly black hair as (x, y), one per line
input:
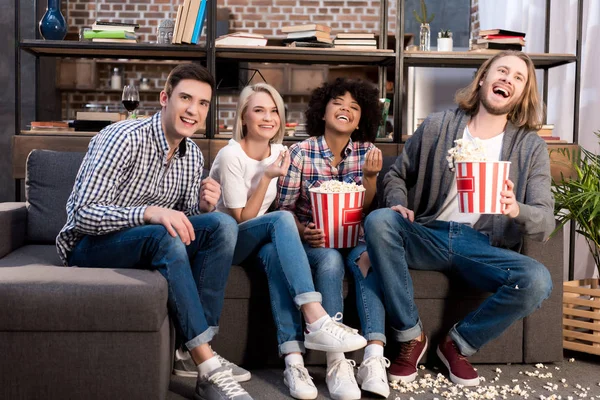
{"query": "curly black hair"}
(365, 93)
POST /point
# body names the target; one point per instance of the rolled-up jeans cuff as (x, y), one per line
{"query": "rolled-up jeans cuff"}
(465, 348)
(293, 346)
(204, 337)
(375, 336)
(308, 297)
(408, 334)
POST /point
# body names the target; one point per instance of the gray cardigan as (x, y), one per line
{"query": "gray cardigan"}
(420, 178)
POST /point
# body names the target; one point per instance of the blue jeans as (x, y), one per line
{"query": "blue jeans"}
(328, 267)
(519, 283)
(196, 274)
(273, 240)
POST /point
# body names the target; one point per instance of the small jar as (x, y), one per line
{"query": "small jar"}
(115, 80)
(145, 84)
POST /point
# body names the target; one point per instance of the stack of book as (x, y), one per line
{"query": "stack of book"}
(308, 35)
(94, 121)
(355, 41)
(546, 132)
(241, 39)
(112, 32)
(499, 39)
(189, 22)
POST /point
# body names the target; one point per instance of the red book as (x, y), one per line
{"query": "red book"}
(502, 37)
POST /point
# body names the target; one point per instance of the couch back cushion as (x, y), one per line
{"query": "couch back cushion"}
(48, 184)
(388, 161)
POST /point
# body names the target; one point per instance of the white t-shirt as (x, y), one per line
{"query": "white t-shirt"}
(493, 151)
(239, 176)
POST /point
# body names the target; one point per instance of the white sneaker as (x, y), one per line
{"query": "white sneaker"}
(372, 376)
(334, 337)
(301, 386)
(341, 382)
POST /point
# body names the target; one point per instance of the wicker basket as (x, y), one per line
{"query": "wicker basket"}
(581, 315)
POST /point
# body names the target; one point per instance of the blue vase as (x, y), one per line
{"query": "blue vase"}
(53, 25)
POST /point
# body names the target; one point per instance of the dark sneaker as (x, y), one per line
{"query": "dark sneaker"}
(461, 371)
(404, 366)
(184, 366)
(219, 385)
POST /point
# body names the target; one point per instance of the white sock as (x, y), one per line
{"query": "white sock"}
(333, 357)
(315, 326)
(373, 350)
(208, 366)
(293, 359)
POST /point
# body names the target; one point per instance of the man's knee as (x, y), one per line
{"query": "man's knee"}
(219, 223)
(538, 281)
(378, 217)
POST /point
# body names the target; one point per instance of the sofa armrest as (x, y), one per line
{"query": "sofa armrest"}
(13, 220)
(542, 336)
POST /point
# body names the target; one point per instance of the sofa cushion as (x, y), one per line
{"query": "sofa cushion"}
(38, 295)
(48, 184)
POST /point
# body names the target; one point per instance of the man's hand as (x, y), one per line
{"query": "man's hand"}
(176, 222)
(314, 237)
(210, 191)
(405, 212)
(511, 207)
(373, 163)
(280, 166)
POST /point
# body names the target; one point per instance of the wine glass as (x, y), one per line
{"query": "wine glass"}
(131, 99)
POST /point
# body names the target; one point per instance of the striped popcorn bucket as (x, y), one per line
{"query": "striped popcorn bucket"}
(339, 216)
(479, 185)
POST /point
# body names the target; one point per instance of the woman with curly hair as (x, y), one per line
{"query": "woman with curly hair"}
(342, 119)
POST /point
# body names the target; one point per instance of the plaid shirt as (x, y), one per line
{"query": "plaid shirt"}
(124, 171)
(311, 163)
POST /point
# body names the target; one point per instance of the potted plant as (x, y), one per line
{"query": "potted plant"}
(444, 42)
(577, 200)
(425, 32)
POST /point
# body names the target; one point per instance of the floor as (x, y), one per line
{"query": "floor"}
(576, 377)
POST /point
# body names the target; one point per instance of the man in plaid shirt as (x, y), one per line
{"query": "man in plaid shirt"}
(139, 201)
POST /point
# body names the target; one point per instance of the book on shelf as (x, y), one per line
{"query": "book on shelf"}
(306, 27)
(109, 35)
(310, 44)
(49, 124)
(199, 22)
(546, 130)
(82, 125)
(310, 39)
(100, 116)
(496, 46)
(356, 42)
(178, 36)
(129, 28)
(117, 23)
(513, 40)
(102, 40)
(354, 47)
(190, 22)
(177, 25)
(308, 34)
(504, 32)
(241, 39)
(347, 35)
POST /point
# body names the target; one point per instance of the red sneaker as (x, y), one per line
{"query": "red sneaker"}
(461, 371)
(404, 366)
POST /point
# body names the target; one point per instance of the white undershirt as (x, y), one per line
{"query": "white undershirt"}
(239, 175)
(493, 151)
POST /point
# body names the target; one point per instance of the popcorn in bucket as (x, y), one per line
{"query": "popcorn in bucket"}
(337, 210)
(478, 181)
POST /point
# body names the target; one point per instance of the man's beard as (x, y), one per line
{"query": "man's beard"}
(496, 110)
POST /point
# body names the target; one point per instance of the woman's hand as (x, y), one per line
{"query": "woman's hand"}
(373, 163)
(280, 166)
(313, 236)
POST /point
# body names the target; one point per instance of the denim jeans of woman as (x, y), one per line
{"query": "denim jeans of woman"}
(328, 266)
(272, 239)
(196, 274)
(519, 283)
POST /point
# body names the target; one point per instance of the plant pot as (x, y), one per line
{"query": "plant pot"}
(581, 315)
(444, 44)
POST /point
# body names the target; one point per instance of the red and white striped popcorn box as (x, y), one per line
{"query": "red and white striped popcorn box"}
(479, 185)
(339, 216)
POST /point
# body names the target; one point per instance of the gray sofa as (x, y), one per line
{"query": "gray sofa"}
(105, 333)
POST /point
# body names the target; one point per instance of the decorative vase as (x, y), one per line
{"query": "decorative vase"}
(444, 43)
(424, 37)
(53, 25)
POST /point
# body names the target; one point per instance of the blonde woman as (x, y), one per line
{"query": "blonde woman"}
(247, 169)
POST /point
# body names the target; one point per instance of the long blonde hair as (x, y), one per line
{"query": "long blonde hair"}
(528, 112)
(239, 130)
